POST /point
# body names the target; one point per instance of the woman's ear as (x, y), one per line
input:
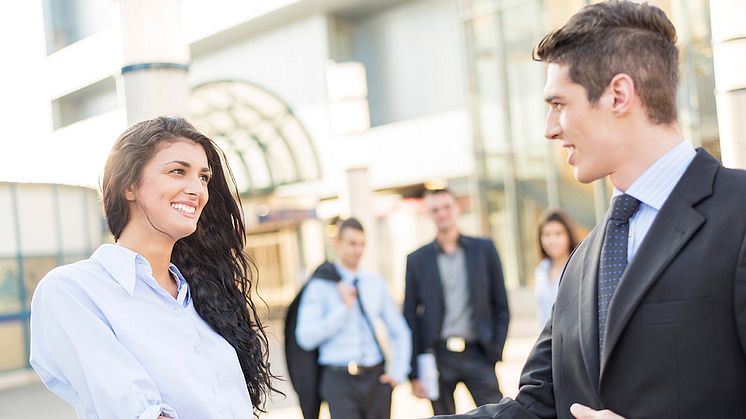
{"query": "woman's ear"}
(129, 193)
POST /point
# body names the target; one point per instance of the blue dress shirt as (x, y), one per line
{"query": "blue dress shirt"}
(652, 189)
(342, 334)
(107, 339)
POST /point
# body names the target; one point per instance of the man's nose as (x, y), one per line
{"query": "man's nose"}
(552, 130)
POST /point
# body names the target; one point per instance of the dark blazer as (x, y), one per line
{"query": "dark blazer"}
(423, 299)
(677, 324)
(303, 367)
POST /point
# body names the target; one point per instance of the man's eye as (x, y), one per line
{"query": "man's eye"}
(557, 106)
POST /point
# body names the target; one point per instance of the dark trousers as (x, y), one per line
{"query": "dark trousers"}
(470, 367)
(356, 396)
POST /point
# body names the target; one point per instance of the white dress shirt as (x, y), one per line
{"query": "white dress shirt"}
(107, 339)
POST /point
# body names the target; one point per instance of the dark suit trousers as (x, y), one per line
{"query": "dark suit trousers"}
(471, 367)
(356, 396)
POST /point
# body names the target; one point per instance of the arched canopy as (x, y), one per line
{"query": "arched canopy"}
(265, 144)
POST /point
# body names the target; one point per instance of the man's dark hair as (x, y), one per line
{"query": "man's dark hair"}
(617, 36)
(352, 223)
(431, 192)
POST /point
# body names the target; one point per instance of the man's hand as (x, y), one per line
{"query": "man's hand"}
(387, 379)
(418, 389)
(585, 412)
(348, 293)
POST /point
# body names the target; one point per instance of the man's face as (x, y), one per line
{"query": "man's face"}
(586, 131)
(350, 247)
(443, 210)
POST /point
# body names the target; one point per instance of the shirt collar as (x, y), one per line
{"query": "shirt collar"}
(124, 264)
(346, 274)
(439, 248)
(653, 187)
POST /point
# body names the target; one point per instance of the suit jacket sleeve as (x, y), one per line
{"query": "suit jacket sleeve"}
(535, 400)
(500, 311)
(739, 295)
(410, 312)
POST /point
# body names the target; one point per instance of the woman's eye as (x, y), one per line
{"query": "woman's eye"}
(178, 171)
(205, 178)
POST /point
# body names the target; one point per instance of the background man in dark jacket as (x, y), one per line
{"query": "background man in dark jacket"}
(457, 308)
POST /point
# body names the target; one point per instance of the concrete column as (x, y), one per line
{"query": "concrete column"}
(360, 199)
(155, 59)
(729, 54)
(347, 90)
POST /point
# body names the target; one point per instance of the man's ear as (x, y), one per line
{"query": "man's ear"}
(621, 93)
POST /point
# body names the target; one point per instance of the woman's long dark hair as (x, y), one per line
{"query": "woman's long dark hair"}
(566, 221)
(213, 260)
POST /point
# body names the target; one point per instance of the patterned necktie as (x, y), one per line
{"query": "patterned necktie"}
(613, 257)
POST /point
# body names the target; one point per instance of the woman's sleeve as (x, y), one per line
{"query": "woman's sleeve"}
(78, 357)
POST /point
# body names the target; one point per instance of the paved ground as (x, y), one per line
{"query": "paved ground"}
(23, 397)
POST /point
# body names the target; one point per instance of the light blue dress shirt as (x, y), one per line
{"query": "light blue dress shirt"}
(107, 339)
(545, 289)
(652, 189)
(342, 334)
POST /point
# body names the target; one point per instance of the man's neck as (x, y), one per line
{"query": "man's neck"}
(448, 239)
(350, 267)
(649, 144)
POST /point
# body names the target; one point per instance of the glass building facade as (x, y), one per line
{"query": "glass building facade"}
(43, 226)
(521, 173)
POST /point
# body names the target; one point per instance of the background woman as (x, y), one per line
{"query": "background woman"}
(160, 324)
(556, 241)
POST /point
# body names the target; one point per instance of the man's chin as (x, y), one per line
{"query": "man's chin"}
(584, 178)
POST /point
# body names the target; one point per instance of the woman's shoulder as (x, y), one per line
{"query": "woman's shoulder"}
(543, 266)
(72, 276)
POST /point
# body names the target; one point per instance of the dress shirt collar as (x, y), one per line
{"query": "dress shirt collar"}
(656, 183)
(124, 264)
(439, 248)
(346, 274)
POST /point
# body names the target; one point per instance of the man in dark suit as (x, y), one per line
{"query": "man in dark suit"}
(650, 318)
(457, 308)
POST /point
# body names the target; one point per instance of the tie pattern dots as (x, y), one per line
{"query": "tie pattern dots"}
(613, 257)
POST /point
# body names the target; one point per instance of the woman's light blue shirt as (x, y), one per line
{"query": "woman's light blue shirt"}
(107, 339)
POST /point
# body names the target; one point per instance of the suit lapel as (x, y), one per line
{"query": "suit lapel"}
(587, 305)
(470, 256)
(435, 283)
(674, 225)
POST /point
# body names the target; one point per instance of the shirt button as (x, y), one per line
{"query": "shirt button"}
(178, 311)
(197, 350)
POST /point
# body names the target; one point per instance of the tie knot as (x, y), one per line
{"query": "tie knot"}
(623, 207)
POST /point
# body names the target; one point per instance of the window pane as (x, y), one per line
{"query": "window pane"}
(8, 246)
(10, 301)
(13, 355)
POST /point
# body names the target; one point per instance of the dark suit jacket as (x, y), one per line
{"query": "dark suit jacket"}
(423, 299)
(676, 326)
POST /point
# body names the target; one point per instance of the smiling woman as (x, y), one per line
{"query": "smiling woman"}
(160, 324)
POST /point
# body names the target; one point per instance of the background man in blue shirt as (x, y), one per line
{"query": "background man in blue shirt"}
(331, 318)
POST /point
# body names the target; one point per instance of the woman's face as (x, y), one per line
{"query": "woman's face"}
(172, 191)
(554, 240)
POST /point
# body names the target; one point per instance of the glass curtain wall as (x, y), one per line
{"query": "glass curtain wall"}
(43, 226)
(520, 173)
